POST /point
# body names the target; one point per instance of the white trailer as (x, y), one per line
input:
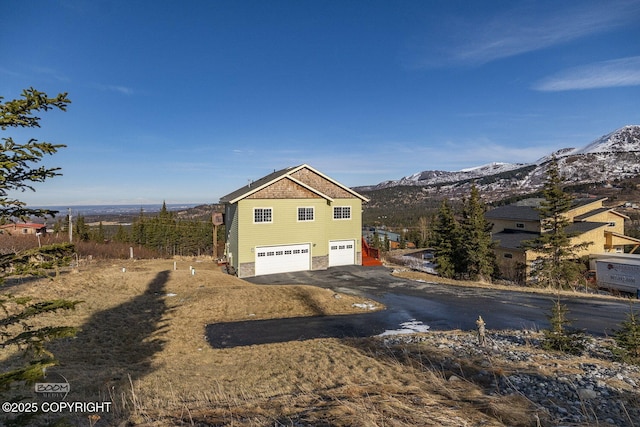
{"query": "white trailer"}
(619, 272)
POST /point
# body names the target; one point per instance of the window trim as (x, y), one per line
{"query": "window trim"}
(263, 209)
(305, 214)
(341, 217)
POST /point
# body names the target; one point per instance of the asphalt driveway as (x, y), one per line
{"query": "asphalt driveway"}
(438, 306)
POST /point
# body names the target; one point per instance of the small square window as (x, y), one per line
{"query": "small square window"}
(262, 215)
(342, 212)
(305, 214)
(519, 225)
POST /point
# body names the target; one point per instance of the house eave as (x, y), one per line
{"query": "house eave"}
(287, 174)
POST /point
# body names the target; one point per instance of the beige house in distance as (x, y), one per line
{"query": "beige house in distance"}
(590, 220)
(294, 219)
(23, 228)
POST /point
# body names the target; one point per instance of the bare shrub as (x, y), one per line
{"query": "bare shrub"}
(84, 249)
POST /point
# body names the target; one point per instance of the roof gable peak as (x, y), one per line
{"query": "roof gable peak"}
(286, 173)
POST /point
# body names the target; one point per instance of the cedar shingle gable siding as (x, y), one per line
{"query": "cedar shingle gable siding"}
(321, 184)
(284, 189)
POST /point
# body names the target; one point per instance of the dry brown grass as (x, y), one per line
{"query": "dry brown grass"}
(142, 346)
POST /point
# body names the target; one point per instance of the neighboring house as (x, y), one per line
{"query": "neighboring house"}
(292, 220)
(24, 228)
(590, 221)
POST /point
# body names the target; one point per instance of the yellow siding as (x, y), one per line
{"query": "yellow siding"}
(596, 237)
(286, 229)
(596, 204)
(618, 220)
(510, 224)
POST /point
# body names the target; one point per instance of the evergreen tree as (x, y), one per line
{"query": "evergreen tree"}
(628, 339)
(476, 246)
(556, 264)
(138, 235)
(99, 234)
(81, 229)
(445, 240)
(17, 161)
(560, 337)
(19, 318)
(121, 235)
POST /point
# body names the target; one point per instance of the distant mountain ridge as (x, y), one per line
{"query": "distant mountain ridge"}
(610, 157)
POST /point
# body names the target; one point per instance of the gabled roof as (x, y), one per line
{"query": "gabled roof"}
(589, 214)
(586, 201)
(286, 173)
(514, 239)
(514, 212)
(511, 239)
(583, 227)
(24, 225)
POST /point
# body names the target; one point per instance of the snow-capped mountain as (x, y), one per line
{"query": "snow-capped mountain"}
(613, 156)
(623, 140)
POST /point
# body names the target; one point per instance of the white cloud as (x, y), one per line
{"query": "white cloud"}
(9, 72)
(115, 88)
(530, 27)
(614, 73)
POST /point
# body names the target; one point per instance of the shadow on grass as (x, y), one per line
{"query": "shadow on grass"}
(116, 346)
(113, 349)
(253, 332)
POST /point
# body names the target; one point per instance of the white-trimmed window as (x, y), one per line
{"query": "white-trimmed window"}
(342, 212)
(262, 215)
(305, 214)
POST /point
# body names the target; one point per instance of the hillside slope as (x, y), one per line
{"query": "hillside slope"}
(609, 159)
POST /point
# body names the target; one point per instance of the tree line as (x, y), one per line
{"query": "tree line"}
(164, 233)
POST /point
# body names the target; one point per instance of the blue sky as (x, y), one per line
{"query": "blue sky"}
(186, 101)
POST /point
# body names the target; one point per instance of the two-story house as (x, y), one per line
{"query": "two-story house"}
(590, 221)
(294, 219)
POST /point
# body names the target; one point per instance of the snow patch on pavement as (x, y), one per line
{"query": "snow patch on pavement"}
(411, 327)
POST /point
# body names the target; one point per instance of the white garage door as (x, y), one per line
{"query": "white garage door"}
(281, 259)
(341, 252)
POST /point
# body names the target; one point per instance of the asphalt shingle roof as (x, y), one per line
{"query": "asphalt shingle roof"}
(511, 239)
(255, 184)
(513, 212)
